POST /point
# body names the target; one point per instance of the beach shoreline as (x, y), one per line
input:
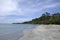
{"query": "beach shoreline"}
(43, 32)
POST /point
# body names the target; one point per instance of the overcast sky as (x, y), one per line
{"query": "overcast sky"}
(25, 10)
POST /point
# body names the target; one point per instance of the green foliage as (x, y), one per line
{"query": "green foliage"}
(46, 18)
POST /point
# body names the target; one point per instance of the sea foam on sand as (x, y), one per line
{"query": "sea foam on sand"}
(42, 32)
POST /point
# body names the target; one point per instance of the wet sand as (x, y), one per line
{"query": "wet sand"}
(42, 32)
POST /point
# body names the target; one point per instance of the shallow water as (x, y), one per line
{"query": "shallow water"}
(29, 32)
(13, 31)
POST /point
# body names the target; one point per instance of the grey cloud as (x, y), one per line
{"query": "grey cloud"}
(26, 9)
(35, 4)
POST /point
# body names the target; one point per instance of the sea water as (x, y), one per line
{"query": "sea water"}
(13, 31)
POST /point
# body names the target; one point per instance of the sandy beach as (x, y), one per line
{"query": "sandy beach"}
(42, 32)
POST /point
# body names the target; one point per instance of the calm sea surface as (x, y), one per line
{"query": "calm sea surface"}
(13, 31)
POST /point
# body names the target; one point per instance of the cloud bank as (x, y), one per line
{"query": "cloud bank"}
(25, 10)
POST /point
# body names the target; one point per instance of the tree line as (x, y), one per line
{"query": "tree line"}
(46, 18)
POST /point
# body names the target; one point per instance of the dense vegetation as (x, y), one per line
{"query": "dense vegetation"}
(46, 18)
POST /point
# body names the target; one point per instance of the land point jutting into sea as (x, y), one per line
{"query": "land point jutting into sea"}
(46, 18)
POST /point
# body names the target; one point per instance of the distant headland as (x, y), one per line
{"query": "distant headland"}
(46, 18)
